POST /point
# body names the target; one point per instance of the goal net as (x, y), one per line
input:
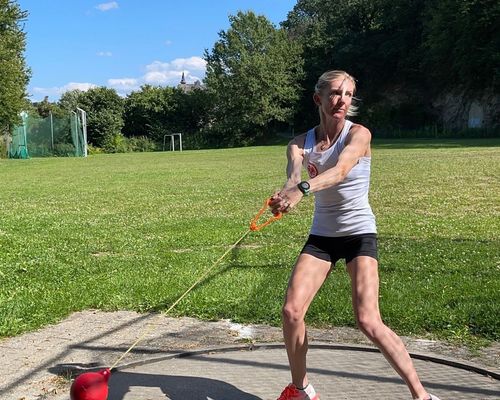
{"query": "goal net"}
(61, 136)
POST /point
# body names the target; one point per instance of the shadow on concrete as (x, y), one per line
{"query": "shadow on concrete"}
(66, 351)
(360, 378)
(175, 387)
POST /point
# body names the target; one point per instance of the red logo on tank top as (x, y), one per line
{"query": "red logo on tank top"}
(312, 170)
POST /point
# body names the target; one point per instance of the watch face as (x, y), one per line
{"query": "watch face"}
(305, 185)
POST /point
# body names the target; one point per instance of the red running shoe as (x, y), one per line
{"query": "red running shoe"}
(292, 393)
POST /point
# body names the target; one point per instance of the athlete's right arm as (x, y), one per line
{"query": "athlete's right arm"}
(295, 156)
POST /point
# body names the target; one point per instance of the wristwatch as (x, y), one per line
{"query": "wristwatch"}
(305, 188)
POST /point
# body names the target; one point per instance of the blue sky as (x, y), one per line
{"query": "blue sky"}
(123, 44)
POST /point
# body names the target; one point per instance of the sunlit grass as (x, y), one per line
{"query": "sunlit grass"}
(134, 231)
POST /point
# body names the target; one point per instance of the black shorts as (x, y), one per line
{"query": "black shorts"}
(333, 249)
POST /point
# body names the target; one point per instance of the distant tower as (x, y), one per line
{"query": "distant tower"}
(187, 87)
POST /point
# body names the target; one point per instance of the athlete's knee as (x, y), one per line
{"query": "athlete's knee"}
(371, 325)
(292, 314)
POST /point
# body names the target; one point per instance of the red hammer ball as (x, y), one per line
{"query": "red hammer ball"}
(91, 386)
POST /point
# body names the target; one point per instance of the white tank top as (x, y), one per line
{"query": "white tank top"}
(343, 209)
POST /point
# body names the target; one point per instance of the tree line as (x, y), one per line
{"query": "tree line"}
(407, 55)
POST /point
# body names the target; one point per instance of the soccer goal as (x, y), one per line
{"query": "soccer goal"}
(172, 137)
(62, 136)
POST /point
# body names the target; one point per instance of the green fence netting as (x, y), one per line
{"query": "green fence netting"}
(62, 136)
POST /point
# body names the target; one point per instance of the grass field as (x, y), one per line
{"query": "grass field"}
(133, 231)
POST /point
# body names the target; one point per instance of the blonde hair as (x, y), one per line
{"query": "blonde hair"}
(329, 76)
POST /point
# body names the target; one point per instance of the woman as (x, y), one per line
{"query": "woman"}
(336, 154)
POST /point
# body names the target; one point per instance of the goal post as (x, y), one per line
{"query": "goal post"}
(172, 137)
(83, 121)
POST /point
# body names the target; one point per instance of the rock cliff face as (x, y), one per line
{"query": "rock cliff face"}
(463, 109)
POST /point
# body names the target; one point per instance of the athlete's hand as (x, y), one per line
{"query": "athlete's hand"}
(276, 203)
(284, 200)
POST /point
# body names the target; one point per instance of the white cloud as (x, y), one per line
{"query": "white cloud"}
(56, 92)
(193, 78)
(79, 86)
(124, 82)
(124, 86)
(158, 73)
(107, 6)
(104, 54)
(196, 63)
(168, 42)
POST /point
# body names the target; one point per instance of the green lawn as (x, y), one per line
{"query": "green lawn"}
(134, 231)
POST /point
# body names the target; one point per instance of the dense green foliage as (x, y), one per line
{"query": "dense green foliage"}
(14, 74)
(461, 44)
(370, 39)
(134, 231)
(104, 115)
(156, 111)
(404, 53)
(252, 74)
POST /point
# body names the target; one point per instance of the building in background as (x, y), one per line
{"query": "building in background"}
(187, 87)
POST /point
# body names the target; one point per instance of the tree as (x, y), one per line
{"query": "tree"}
(70, 100)
(14, 74)
(462, 44)
(104, 109)
(153, 112)
(195, 110)
(45, 108)
(404, 53)
(371, 39)
(150, 112)
(252, 75)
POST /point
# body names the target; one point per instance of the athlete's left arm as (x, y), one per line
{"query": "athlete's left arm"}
(357, 146)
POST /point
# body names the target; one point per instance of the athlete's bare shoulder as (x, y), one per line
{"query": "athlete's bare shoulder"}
(298, 141)
(361, 137)
(359, 128)
(359, 131)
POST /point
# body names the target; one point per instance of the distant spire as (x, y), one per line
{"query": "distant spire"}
(183, 80)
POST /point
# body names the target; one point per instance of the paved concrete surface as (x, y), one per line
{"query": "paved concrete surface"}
(342, 364)
(257, 375)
